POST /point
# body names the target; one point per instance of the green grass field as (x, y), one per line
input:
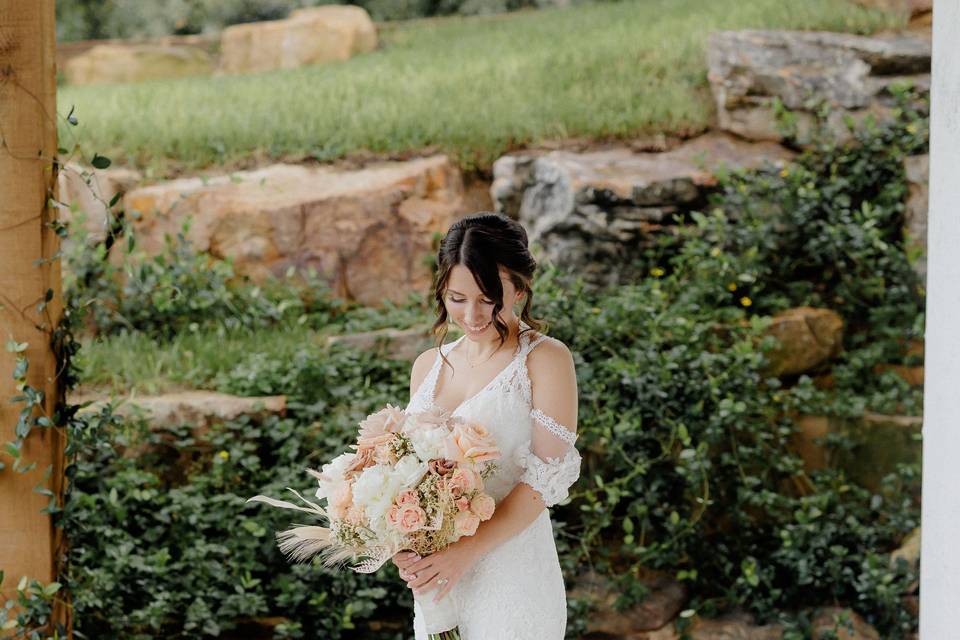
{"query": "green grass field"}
(130, 362)
(472, 87)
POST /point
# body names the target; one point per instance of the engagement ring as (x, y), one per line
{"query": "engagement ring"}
(442, 581)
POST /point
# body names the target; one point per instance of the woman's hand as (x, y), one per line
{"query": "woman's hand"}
(450, 564)
(404, 559)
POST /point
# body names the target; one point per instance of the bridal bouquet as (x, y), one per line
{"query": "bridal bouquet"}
(414, 481)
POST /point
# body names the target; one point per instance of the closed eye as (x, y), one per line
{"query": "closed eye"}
(483, 301)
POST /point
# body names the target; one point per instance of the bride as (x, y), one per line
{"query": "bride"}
(521, 385)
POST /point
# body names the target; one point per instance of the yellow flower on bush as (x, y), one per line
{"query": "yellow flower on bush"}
(784, 172)
(746, 301)
(715, 252)
(224, 455)
(731, 286)
(656, 272)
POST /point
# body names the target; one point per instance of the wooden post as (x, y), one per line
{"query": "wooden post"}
(28, 145)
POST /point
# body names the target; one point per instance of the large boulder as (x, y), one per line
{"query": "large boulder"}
(89, 192)
(806, 338)
(664, 600)
(117, 63)
(396, 344)
(308, 36)
(365, 232)
(750, 71)
(880, 443)
(199, 409)
(596, 211)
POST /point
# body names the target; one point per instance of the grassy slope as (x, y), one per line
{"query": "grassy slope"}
(126, 363)
(473, 87)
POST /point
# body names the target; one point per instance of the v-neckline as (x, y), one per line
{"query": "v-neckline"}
(436, 381)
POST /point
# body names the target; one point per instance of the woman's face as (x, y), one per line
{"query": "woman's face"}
(468, 307)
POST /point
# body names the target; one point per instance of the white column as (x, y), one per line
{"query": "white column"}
(940, 541)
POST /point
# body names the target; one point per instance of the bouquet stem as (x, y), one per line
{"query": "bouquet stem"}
(453, 634)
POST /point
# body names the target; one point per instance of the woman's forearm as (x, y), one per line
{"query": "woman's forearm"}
(513, 514)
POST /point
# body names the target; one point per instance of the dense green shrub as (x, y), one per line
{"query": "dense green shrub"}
(687, 467)
(162, 544)
(181, 289)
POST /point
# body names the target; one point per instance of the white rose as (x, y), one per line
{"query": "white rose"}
(410, 470)
(429, 443)
(375, 489)
(333, 474)
(410, 425)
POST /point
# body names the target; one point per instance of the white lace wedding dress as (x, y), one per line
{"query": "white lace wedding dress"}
(516, 590)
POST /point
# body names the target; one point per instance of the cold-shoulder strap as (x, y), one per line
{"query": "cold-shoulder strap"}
(553, 426)
(521, 376)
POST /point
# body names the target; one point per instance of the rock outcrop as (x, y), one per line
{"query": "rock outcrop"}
(398, 344)
(199, 409)
(90, 192)
(308, 36)
(881, 442)
(116, 63)
(751, 71)
(807, 338)
(661, 605)
(596, 211)
(365, 232)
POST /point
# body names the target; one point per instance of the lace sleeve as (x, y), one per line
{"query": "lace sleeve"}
(550, 462)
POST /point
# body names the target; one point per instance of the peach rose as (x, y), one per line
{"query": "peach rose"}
(407, 517)
(474, 442)
(483, 506)
(387, 420)
(465, 523)
(408, 496)
(463, 480)
(463, 503)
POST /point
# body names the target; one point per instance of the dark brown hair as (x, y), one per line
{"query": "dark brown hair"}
(484, 242)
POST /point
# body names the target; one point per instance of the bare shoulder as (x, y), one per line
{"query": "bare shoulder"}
(552, 362)
(421, 366)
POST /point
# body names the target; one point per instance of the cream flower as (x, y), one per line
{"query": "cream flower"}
(430, 443)
(375, 490)
(409, 471)
(483, 505)
(474, 442)
(332, 474)
(465, 523)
